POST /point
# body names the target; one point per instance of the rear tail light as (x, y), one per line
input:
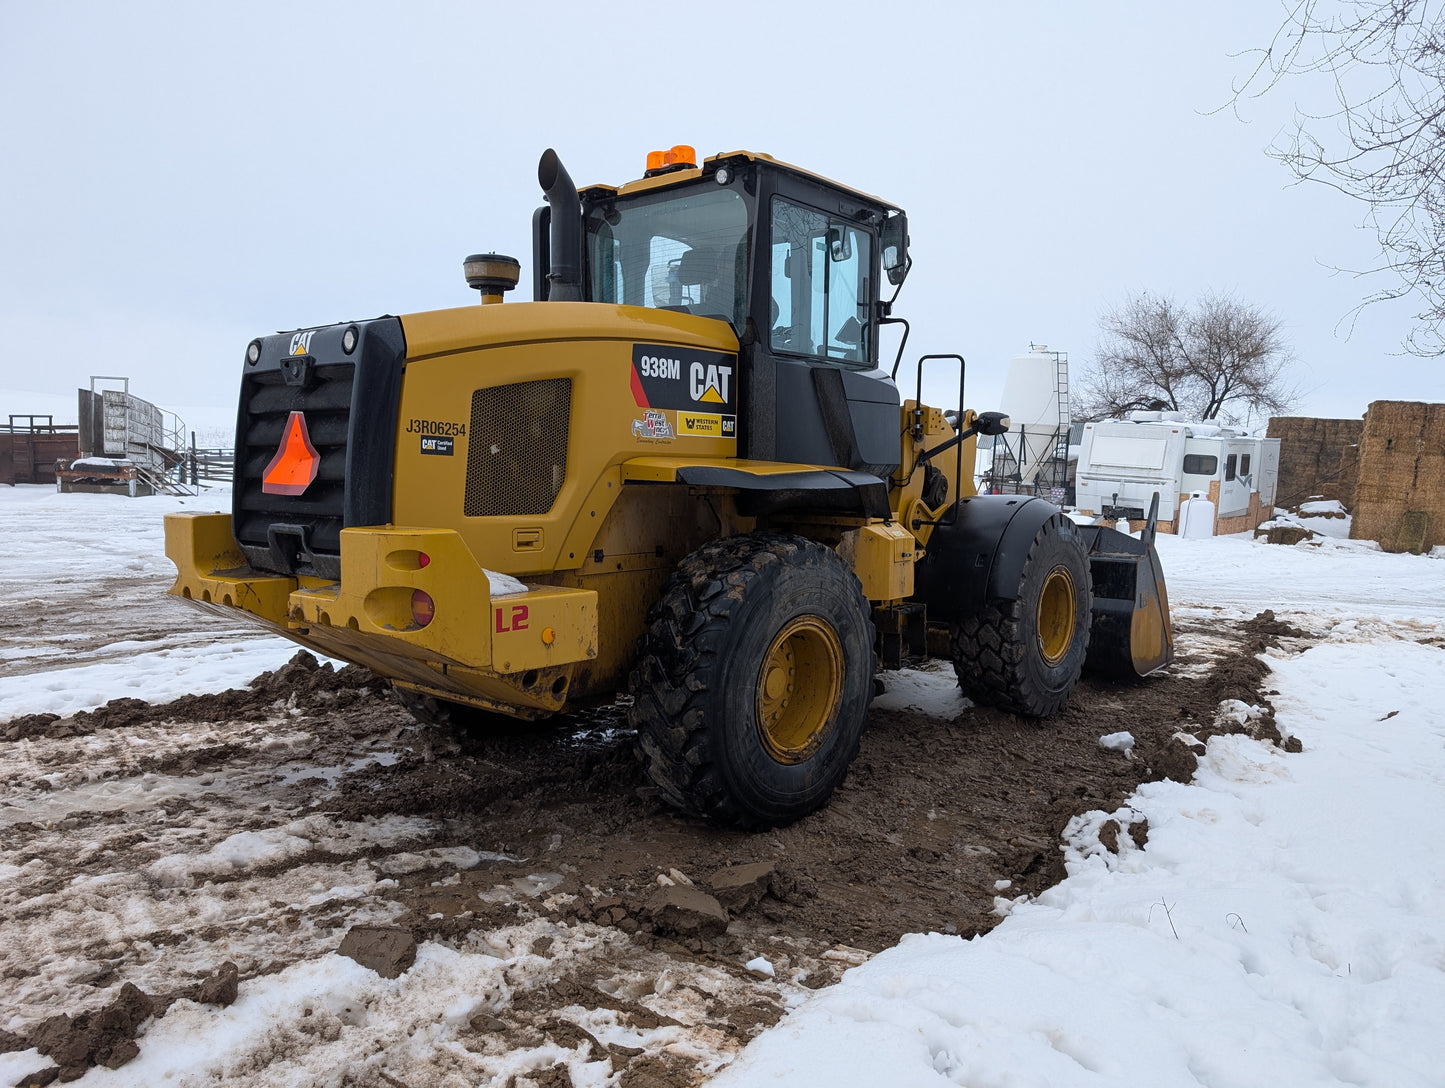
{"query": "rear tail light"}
(423, 609)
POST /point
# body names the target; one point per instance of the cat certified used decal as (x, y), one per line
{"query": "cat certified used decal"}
(699, 386)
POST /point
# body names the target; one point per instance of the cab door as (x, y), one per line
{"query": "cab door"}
(817, 395)
(821, 269)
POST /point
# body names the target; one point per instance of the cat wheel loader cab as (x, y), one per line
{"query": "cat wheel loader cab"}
(679, 472)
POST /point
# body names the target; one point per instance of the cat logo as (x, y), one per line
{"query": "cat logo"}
(301, 342)
(709, 384)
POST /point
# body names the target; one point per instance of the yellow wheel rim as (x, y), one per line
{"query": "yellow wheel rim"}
(1056, 617)
(799, 685)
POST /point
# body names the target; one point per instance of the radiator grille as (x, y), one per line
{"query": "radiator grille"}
(517, 448)
(268, 404)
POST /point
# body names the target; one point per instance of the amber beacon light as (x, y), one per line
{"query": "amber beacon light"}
(678, 157)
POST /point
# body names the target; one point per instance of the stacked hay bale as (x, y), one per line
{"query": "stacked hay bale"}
(1316, 457)
(1400, 494)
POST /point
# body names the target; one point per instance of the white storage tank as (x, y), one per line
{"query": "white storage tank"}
(1196, 516)
(1035, 398)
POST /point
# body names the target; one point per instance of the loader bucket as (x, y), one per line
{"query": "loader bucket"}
(1130, 634)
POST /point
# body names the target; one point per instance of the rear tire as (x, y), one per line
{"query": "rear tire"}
(752, 689)
(1025, 654)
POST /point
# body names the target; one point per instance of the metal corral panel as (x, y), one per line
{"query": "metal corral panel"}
(29, 456)
(134, 429)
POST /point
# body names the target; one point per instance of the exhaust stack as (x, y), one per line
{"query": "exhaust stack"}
(565, 274)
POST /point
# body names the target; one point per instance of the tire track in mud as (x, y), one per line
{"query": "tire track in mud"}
(149, 844)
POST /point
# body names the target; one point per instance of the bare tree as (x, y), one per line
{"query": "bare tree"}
(1222, 358)
(1383, 141)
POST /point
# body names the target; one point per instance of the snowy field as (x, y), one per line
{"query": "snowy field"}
(1284, 923)
(67, 645)
(1282, 927)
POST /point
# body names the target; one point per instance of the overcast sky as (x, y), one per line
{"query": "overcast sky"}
(180, 177)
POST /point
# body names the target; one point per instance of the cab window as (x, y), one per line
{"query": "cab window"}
(685, 251)
(820, 285)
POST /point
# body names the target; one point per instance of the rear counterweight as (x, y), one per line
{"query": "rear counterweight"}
(348, 401)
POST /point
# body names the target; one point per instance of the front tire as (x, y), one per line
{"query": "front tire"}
(752, 690)
(1025, 654)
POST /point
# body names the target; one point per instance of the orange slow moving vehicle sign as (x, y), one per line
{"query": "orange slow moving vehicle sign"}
(296, 462)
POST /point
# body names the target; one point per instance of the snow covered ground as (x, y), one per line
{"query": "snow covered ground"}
(1283, 923)
(65, 646)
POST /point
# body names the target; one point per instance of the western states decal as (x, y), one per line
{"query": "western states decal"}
(707, 425)
(699, 386)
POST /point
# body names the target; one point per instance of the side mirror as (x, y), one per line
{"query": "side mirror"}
(895, 248)
(991, 423)
(840, 244)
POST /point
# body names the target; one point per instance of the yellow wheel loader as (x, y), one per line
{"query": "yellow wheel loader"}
(681, 473)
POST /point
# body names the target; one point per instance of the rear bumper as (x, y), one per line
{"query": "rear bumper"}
(516, 653)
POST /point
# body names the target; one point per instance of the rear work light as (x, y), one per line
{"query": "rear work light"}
(423, 609)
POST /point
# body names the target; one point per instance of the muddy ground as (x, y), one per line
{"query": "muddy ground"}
(546, 835)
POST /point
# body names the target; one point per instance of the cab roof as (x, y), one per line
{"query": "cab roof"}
(710, 165)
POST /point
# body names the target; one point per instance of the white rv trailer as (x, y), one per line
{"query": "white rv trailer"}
(1122, 463)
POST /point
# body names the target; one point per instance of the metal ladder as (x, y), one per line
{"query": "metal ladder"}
(1061, 387)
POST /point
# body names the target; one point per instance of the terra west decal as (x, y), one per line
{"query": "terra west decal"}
(653, 426)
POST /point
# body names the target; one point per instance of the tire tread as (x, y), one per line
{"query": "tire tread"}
(681, 660)
(988, 649)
